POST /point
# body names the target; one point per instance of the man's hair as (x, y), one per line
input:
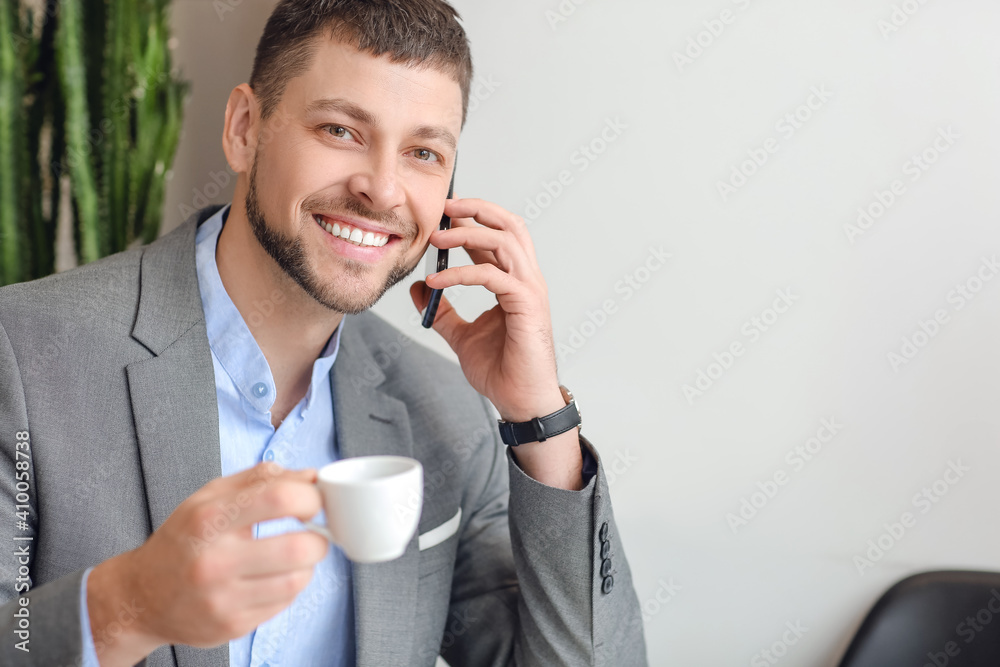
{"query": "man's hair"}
(424, 33)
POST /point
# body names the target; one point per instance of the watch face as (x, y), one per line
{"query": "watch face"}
(568, 397)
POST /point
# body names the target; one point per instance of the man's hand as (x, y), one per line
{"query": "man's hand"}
(202, 579)
(507, 353)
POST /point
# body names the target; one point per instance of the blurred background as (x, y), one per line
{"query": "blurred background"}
(770, 233)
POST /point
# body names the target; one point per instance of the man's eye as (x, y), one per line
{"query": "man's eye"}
(425, 155)
(338, 131)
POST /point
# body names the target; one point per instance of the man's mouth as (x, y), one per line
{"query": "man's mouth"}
(354, 235)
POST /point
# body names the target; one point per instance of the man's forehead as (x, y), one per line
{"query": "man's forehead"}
(370, 88)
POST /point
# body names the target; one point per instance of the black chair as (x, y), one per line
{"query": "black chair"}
(932, 619)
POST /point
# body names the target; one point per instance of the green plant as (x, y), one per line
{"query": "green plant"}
(88, 98)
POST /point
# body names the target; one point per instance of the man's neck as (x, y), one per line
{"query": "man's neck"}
(290, 327)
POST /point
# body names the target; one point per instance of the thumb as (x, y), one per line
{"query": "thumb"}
(448, 323)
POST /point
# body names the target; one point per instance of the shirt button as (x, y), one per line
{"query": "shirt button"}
(269, 455)
(259, 390)
(608, 584)
(606, 567)
(605, 549)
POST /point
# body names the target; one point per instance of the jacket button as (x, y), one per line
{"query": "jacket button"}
(609, 583)
(604, 531)
(605, 549)
(606, 567)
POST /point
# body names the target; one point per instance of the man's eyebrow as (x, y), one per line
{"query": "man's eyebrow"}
(439, 133)
(337, 104)
(364, 116)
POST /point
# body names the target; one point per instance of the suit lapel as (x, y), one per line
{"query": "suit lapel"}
(173, 393)
(177, 427)
(369, 421)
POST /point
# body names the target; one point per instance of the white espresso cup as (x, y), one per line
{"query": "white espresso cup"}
(372, 505)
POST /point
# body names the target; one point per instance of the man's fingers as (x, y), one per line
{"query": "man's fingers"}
(266, 491)
(494, 216)
(489, 276)
(271, 556)
(277, 590)
(447, 322)
(482, 242)
(282, 498)
(256, 478)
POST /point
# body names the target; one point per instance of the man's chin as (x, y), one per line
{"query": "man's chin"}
(355, 287)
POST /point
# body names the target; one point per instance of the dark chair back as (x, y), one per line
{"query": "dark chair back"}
(932, 619)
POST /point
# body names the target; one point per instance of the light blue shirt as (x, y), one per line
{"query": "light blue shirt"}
(317, 629)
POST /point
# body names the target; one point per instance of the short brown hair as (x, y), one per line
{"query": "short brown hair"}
(418, 32)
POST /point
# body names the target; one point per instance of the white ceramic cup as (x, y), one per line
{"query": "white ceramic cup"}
(372, 505)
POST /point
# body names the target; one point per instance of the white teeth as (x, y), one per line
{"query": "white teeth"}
(355, 236)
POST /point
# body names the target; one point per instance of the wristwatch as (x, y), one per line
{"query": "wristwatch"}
(540, 429)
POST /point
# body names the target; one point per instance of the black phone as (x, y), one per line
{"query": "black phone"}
(442, 263)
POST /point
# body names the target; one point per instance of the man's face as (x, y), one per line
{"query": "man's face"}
(366, 147)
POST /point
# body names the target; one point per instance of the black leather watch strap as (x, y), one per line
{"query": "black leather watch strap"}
(540, 429)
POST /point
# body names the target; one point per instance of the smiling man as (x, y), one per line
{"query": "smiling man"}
(165, 410)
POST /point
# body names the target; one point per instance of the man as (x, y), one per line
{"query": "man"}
(148, 399)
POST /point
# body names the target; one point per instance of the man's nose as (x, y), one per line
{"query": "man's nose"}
(376, 183)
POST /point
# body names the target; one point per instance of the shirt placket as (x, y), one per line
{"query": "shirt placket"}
(272, 635)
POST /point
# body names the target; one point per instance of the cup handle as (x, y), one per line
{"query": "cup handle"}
(316, 528)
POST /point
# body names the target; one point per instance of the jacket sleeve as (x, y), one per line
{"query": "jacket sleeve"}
(541, 577)
(38, 625)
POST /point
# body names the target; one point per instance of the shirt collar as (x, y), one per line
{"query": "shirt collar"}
(228, 335)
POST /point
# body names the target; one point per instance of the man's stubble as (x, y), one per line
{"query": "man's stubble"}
(289, 252)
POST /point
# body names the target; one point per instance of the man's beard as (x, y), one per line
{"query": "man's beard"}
(290, 255)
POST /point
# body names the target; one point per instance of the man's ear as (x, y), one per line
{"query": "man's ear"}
(239, 136)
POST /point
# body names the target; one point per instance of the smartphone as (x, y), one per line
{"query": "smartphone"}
(442, 263)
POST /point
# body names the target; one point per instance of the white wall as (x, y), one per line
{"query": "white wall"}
(680, 466)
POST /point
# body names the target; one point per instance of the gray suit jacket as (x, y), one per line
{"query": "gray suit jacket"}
(107, 369)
